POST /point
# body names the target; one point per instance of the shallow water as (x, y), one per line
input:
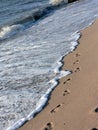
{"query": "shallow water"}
(30, 55)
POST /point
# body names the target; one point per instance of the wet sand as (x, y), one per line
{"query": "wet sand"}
(73, 105)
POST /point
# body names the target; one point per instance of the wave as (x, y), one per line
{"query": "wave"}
(24, 22)
(58, 2)
(27, 20)
(36, 14)
(8, 31)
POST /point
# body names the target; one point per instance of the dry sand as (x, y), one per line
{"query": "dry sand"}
(73, 104)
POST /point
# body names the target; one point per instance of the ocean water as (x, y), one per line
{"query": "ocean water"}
(34, 37)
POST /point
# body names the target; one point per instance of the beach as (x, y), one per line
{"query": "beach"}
(73, 103)
(35, 37)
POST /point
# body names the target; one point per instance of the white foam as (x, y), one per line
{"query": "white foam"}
(75, 36)
(17, 124)
(57, 66)
(8, 31)
(57, 2)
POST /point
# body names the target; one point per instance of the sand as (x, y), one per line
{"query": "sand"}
(73, 104)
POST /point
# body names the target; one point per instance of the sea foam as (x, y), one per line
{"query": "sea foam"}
(8, 31)
(58, 2)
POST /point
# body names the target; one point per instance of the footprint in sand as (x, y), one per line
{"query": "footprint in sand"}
(67, 80)
(95, 129)
(49, 126)
(56, 108)
(77, 61)
(77, 54)
(77, 69)
(96, 110)
(66, 92)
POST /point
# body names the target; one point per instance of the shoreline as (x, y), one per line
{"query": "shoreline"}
(73, 102)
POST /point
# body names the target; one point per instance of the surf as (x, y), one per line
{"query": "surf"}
(58, 2)
(8, 31)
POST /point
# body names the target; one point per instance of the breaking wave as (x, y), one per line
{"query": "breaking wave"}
(9, 31)
(58, 2)
(28, 20)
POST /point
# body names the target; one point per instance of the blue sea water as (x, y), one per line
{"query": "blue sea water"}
(34, 36)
